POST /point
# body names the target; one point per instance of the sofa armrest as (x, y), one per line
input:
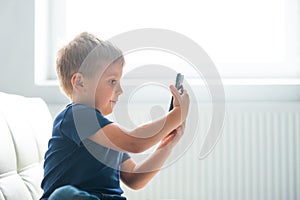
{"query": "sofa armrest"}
(25, 127)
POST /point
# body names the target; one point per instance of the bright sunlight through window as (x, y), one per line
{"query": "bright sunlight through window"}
(245, 39)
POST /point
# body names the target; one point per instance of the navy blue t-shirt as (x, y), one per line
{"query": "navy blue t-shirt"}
(73, 159)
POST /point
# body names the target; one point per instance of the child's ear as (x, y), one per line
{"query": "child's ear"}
(77, 81)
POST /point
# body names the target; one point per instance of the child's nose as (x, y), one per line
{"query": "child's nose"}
(119, 89)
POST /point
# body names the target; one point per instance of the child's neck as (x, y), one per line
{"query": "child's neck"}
(81, 100)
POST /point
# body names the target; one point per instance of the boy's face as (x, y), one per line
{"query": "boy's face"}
(108, 88)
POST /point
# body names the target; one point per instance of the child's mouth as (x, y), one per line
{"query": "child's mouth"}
(114, 102)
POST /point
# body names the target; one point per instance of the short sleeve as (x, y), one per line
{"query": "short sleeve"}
(125, 157)
(81, 121)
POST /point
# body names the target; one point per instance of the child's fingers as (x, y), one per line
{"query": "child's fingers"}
(180, 129)
(184, 92)
(168, 139)
(180, 89)
(175, 92)
(182, 126)
(177, 136)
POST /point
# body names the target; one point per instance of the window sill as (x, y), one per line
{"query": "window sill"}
(236, 90)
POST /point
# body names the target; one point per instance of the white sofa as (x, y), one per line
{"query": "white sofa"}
(25, 128)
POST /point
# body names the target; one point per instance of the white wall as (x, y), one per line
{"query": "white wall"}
(17, 52)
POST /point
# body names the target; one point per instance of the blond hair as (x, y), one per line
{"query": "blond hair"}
(85, 54)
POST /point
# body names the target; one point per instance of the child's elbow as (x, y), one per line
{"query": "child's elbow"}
(136, 186)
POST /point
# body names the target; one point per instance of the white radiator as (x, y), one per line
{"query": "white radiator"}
(256, 158)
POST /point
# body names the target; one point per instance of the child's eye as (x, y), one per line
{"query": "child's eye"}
(113, 82)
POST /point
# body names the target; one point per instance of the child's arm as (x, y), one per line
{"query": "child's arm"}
(137, 176)
(145, 136)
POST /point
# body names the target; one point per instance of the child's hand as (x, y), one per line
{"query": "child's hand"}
(172, 139)
(181, 100)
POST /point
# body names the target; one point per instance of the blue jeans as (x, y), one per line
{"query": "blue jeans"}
(69, 192)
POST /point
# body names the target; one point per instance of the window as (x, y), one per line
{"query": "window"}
(257, 40)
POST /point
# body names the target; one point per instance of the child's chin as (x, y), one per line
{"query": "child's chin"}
(112, 105)
(106, 113)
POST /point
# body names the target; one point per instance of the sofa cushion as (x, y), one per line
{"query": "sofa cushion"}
(25, 127)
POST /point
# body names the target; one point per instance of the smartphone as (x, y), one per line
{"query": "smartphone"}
(178, 82)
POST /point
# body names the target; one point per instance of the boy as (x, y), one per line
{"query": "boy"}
(88, 154)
